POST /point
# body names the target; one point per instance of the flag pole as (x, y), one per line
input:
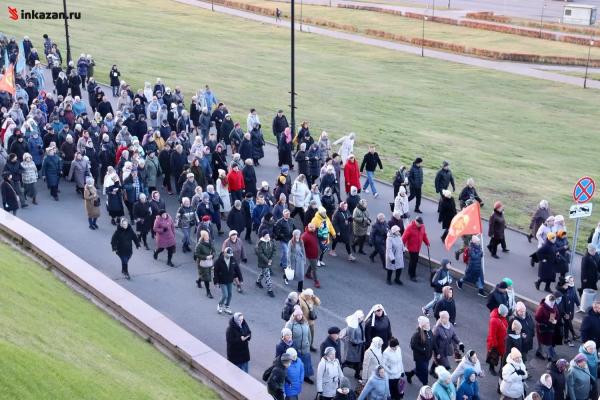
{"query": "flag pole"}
(481, 241)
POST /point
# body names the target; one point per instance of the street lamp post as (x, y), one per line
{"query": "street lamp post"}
(423, 37)
(542, 17)
(587, 64)
(212, 5)
(67, 31)
(292, 70)
(300, 15)
(433, 8)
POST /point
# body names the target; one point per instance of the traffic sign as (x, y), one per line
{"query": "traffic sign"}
(584, 190)
(580, 210)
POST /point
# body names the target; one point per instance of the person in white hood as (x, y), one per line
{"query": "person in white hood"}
(514, 374)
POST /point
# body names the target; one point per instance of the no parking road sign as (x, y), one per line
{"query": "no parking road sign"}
(584, 190)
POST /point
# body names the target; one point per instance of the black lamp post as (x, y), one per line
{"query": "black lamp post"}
(67, 31)
(587, 64)
(292, 70)
(423, 37)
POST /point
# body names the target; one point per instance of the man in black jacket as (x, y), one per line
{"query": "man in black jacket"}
(282, 231)
(276, 381)
(370, 162)
(226, 272)
(279, 124)
(590, 327)
(444, 178)
(332, 340)
(415, 182)
(498, 296)
(589, 269)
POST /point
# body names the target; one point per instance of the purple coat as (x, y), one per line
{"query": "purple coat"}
(165, 232)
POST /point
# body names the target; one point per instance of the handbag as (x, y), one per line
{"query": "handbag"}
(359, 388)
(205, 263)
(312, 314)
(97, 202)
(289, 273)
(401, 385)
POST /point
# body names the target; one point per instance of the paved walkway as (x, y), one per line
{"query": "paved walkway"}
(346, 286)
(514, 68)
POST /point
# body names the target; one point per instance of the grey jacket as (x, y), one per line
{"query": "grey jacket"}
(300, 336)
(329, 375)
(354, 341)
(578, 382)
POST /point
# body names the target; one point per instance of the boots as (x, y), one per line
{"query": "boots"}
(492, 370)
(208, 293)
(34, 201)
(199, 283)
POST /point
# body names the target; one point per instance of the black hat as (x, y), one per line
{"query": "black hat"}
(503, 285)
(161, 211)
(418, 160)
(263, 232)
(419, 220)
(334, 330)
(561, 282)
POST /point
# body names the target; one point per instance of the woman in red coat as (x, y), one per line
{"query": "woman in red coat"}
(351, 174)
(311, 247)
(496, 339)
(235, 181)
(546, 318)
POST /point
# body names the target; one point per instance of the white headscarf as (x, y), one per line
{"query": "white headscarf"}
(375, 307)
(353, 320)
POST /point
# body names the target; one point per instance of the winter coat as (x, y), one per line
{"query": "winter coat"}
(443, 391)
(512, 384)
(578, 382)
(392, 362)
(495, 298)
(224, 274)
(283, 229)
(527, 328)
(401, 204)
(559, 382)
(236, 220)
(276, 381)
(10, 199)
(360, 221)
(590, 328)
(468, 388)
(497, 331)
(142, 214)
(443, 179)
(415, 176)
(164, 230)
(544, 392)
(589, 271)
(445, 304)
(354, 342)
(122, 240)
(153, 171)
(342, 225)
(329, 375)
(258, 143)
(90, 194)
(592, 361)
(474, 269)
(295, 378)
(458, 375)
(299, 195)
(381, 328)
(377, 388)
(237, 350)
(422, 347)
(394, 253)
(444, 341)
(300, 336)
(314, 161)
(308, 303)
(351, 175)
(544, 328)
(311, 244)
(372, 359)
(568, 302)
(414, 236)
(379, 232)
(297, 257)
(447, 210)
(497, 224)
(370, 162)
(235, 181)
(245, 149)
(265, 251)
(329, 342)
(114, 199)
(51, 169)
(547, 262)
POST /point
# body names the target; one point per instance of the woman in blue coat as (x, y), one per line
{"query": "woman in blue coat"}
(469, 388)
(295, 376)
(51, 170)
(474, 271)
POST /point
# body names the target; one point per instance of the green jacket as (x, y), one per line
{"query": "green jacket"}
(265, 252)
(203, 250)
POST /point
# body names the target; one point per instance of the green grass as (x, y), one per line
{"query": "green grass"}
(54, 344)
(593, 76)
(522, 139)
(413, 28)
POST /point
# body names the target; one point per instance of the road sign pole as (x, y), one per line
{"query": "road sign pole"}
(573, 251)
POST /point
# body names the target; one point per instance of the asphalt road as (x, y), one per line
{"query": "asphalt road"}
(345, 286)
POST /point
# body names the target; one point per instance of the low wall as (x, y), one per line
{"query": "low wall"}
(226, 378)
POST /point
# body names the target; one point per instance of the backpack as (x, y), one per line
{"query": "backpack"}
(267, 374)
(287, 311)
(465, 255)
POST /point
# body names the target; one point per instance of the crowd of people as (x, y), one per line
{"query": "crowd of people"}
(124, 160)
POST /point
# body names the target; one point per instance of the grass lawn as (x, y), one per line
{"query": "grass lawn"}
(593, 76)
(521, 139)
(54, 344)
(411, 27)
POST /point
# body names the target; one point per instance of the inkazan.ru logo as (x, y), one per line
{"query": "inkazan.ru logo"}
(15, 15)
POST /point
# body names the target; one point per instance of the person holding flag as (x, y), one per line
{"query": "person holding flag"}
(474, 271)
(7, 83)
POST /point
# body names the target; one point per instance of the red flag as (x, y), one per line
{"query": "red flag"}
(466, 222)
(7, 83)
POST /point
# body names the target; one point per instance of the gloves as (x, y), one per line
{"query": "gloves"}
(520, 372)
(244, 260)
(461, 347)
(393, 262)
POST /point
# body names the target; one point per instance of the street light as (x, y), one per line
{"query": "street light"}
(423, 37)
(587, 64)
(300, 15)
(542, 17)
(67, 31)
(292, 70)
